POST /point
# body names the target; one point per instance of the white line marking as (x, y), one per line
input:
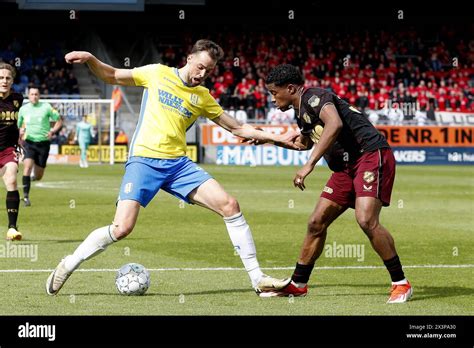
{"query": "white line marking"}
(211, 269)
(77, 184)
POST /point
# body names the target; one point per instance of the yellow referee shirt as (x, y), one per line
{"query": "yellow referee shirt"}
(169, 107)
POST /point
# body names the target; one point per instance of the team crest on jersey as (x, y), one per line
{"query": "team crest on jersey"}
(369, 177)
(194, 99)
(16, 103)
(314, 101)
(306, 118)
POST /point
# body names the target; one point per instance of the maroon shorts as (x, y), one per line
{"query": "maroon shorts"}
(7, 155)
(372, 175)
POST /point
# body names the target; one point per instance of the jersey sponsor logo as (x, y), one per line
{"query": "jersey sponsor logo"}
(328, 190)
(128, 187)
(316, 133)
(314, 101)
(367, 188)
(16, 104)
(369, 177)
(9, 116)
(174, 102)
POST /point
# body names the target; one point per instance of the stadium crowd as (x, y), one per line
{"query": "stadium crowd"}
(393, 77)
(371, 70)
(39, 63)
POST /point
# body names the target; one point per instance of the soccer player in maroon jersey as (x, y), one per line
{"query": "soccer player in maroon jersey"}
(10, 103)
(363, 168)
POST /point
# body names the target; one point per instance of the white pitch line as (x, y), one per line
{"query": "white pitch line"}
(211, 269)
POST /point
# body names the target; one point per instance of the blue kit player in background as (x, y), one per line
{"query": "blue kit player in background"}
(172, 101)
(83, 137)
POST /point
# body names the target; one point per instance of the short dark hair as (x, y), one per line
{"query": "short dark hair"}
(284, 74)
(215, 51)
(8, 67)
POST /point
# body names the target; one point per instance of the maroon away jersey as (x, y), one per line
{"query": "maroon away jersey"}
(9, 107)
(357, 135)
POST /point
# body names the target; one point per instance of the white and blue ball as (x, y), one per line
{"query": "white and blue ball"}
(132, 279)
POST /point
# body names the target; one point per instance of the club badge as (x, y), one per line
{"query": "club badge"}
(369, 177)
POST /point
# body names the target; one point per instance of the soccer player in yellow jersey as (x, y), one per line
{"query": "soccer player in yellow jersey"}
(172, 100)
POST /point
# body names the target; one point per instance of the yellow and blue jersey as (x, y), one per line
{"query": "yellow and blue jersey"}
(169, 107)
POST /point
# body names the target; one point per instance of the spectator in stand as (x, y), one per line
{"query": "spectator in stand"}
(72, 85)
(121, 138)
(241, 115)
(61, 137)
(373, 117)
(394, 115)
(430, 113)
(420, 118)
(276, 116)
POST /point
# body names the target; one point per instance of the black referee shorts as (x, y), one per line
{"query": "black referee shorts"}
(37, 151)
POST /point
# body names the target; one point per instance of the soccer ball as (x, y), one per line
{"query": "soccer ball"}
(132, 279)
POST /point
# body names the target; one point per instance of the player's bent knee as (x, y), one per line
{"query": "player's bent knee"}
(231, 207)
(122, 230)
(368, 225)
(316, 227)
(10, 182)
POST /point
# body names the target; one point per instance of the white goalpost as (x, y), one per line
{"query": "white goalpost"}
(100, 113)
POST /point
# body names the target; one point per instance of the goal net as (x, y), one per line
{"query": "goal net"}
(100, 114)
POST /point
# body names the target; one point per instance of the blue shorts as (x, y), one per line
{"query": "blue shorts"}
(145, 176)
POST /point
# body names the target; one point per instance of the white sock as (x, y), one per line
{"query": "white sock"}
(241, 237)
(95, 243)
(401, 282)
(300, 285)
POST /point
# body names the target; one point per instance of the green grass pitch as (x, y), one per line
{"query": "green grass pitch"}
(431, 219)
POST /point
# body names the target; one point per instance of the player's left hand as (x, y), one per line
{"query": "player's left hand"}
(50, 135)
(301, 174)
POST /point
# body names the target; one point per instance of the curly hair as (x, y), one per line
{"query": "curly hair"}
(284, 74)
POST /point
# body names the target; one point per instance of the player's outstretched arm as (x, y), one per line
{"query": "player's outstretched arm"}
(105, 72)
(246, 131)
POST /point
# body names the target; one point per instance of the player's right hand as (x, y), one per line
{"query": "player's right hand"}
(301, 174)
(253, 141)
(77, 57)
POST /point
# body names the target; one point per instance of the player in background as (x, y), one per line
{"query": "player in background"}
(83, 137)
(172, 101)
(10, 104)
(34, 121)
(364, 171)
